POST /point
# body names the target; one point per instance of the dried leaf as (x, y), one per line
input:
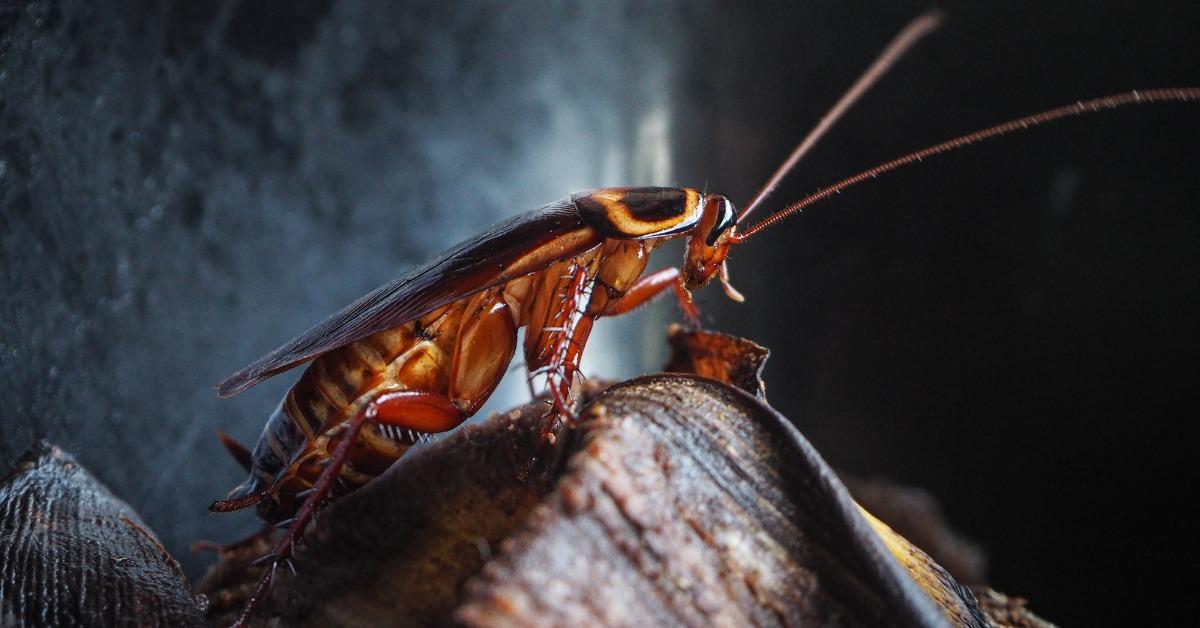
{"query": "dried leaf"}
(692, 503)
(73, 554)
(725, 358)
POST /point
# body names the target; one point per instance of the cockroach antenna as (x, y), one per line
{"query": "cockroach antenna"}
(1094, 105)
(900, 44)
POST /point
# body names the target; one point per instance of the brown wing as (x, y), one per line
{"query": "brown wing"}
(523, 244)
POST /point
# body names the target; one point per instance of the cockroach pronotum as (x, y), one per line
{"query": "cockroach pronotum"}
(422, 353)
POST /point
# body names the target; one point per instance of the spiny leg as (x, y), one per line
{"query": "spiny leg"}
(572, 323)
(560, 378)
(407, 409)
(558, 352)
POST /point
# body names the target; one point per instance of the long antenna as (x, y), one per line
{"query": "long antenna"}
(899, 45)
(1171, 94)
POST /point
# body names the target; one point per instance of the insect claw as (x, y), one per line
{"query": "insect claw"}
(292, 567)
(286, 523)
(302, 495)
(262, 560)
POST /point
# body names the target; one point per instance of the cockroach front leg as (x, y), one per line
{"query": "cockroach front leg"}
(405, 409)
(652, 285)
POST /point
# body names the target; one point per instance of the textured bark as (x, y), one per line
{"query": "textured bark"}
(74, 555)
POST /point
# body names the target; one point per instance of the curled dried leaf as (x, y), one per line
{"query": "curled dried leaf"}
(723, 357)
(689, 502)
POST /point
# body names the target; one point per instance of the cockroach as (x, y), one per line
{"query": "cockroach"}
(421, 354)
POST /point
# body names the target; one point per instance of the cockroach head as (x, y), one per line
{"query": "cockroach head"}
(709, 241)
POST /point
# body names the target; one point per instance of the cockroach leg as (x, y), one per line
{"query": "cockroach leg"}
(652, 285)
(574, 325)
(408, 409)
(568, 331)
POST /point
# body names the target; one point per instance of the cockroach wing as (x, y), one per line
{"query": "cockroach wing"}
(523, 244)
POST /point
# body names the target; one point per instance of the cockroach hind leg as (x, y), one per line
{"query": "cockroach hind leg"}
(387, 410)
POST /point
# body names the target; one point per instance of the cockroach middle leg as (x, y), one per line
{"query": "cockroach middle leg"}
(558, 354)
(406, 409)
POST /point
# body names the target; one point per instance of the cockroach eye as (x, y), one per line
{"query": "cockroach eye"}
(726, 218)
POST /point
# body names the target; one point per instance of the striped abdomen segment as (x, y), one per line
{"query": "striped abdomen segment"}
(332, 384)
(296, 436)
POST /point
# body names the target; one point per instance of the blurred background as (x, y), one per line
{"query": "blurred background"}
(185, 186)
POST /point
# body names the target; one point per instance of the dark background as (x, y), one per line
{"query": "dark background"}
(184, 186)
